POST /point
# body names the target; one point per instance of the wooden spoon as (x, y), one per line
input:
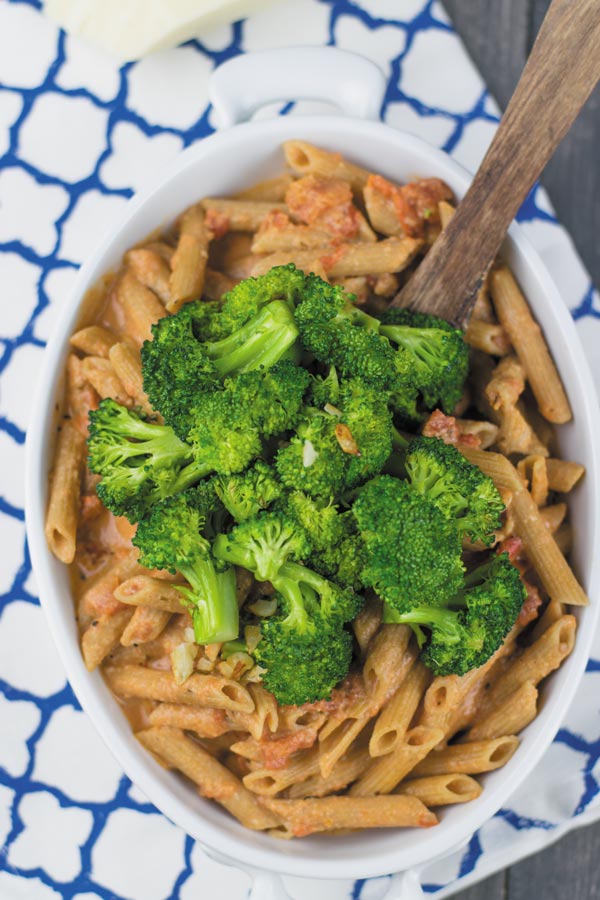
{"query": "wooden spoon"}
(560, 74)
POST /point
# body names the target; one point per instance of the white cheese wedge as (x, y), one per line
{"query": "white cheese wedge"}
(130, 29)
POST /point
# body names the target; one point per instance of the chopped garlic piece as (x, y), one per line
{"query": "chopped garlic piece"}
(252, 636)
(182, 661)
(309, 454)
(332, 410)
(263, 607)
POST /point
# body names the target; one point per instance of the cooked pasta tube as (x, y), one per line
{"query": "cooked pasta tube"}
(510, 716)
(151, 270)
(145, 625)
(306, 159)
(345, 260)
(65, 485)
(553, 516)
(367, 623)
(273, 190)
(304, 817)
(205, 722)
(487, 432)
(387, 771)
(278, 234)
(127, 366)
(552, 613)
(103, 378)
(99, 594)
(469, 759)
(216, 284)
(563, 475)
(397, 714)
(535, 475)
(347, 769)
(564, 538)
(239, 215)
(537, 661)
(212, 778)
(143, 590)
(103, 635)
(155, 684)
(527, 339)
(269, 782)
(442, 790)
(93, 340)
(264, 716)
(141, 308)
(80, 395)
(188, 265)
(489, 337)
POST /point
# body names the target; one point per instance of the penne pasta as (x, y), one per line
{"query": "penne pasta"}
(146, 624)
(442, 790)
(348, 260)
(510, 716)
(239, 215)
(208, 690)
(103, 378)
(127, 366)
(143, 590)
(102, 635)
(385, 773)
(65, 485)
(469, 759)
(94, 340)
(204, 722)
(563, 475)
(188, 265)
(141, 308)
(152, 270)
(396, 716)
(306, 159)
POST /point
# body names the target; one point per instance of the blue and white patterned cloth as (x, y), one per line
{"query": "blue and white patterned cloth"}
(77, 137)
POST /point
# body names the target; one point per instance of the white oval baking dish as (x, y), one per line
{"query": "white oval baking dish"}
(222, 164)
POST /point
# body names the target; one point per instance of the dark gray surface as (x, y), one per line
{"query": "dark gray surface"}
(499, 35)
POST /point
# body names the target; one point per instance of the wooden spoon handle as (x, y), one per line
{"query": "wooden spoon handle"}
(560, 74)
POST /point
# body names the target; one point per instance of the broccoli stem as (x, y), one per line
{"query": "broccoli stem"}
(261, 342)
(211, 601)
(444, 620)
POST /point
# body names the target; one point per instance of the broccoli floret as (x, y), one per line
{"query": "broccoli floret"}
(325, 389)
(246, 494)
(470, 626)
(173, 536)
(413, 551)
(273, 397)
(140, 462)
(262, 544)
(438, 357)
(366, 415)
(245, 300)
(303, 655)
(341, 335)
(223, 433)
(313, 461)
(459, 489)
(180, 363)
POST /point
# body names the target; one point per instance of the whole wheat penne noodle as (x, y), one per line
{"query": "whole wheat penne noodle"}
(537, 661)
(386, 285)
(483, 310)
(273, 190)
(141, 308)
(294, 718)
(469, 759)
(102, 635)
(243, 266)
(552, 568)
(394, 719)
(563, 474)
(487, 432)
(99, 595)
(248, 748)
(489, 337)
(216, 284)
(127, 365)
(442, 790)
(347, 769)
(265, 715)
(304, 817)
(222, 744)
(497, 467)
(306, 159)
(564, 538)
(502, 392)
(164, 250)
(103, 378)
(269, 782)
(552, 613)
(151, 270)
(145, 625)
(212, 778)
(278, 234)
(367, 622)
(381, 211)
(80, 395)
(527, 339)
(346, 260)
(65, 485)
(553, 516)
(188, 265)
(204, 690)
(446, 211)
(441, 698)
(533, 471)
(387, 771)
(510, 716)
(240, 215)
(205, 722)
(94, 340)
(143, 590)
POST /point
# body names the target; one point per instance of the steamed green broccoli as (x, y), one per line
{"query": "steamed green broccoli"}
(140, 462)
(273, 396)
(413, 551)
(245, 300)
(459, 489)
(173, 536)
(262, 544)
(437, 355)
(181, 363)
(469, 626)
(246, 494)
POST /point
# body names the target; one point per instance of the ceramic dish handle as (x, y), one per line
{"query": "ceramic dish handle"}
(244, 84)
(405, 886)
(265, 885)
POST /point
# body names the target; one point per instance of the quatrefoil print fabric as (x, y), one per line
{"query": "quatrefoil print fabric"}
(78, 136)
